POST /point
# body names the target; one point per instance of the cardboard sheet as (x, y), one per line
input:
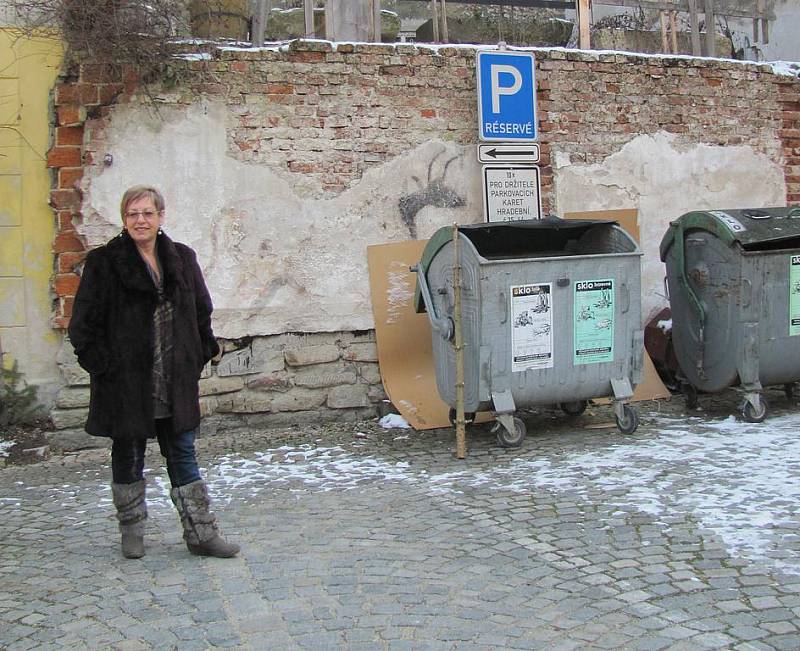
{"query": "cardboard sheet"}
(403, 336)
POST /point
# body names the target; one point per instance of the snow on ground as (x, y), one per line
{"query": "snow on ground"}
(5, 446)
(737, 480)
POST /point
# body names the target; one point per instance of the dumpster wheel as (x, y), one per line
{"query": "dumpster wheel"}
(629, 421)
(512, 439)
(753, 415)
(575, 408)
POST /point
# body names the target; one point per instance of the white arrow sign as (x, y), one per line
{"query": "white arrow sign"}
(504, 152)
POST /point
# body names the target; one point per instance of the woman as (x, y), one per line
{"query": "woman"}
(141, 327)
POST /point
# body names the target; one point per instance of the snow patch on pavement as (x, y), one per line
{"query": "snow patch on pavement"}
(5, 446)
(303, 468)
(737, 480)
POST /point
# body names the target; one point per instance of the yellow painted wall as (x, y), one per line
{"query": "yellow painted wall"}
(28, 70)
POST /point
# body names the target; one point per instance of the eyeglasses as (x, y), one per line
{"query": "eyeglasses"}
(135, 214)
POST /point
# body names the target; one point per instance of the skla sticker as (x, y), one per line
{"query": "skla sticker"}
(731, 222)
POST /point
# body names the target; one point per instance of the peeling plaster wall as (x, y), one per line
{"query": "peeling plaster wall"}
(663, 179)
(281, 165)
(276, 259)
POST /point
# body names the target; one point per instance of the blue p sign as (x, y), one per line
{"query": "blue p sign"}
(506, 95)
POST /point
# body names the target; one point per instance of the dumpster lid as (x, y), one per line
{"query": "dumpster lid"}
(753, 228)
(505, 236)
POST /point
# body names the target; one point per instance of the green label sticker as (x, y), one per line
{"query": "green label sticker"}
(594, 321)
(794, 295)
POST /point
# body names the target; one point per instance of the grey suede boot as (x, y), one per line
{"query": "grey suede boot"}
(199, 525)
(131, 513)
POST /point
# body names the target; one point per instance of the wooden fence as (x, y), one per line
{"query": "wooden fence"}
(669, 9)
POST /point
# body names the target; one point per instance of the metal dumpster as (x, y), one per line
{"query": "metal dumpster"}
(551, 314)
(733, 280)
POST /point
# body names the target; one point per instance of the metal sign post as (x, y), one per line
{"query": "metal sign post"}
(507, 118)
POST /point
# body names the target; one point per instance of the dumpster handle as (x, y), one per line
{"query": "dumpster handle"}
(694, 302)
(444, 326)
(680, 264)
(627, 298)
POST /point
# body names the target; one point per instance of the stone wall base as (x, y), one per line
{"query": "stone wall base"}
(260, 382)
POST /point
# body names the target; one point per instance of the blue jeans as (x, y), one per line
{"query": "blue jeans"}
(127, 456)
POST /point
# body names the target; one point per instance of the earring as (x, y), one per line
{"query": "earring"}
(160, 231)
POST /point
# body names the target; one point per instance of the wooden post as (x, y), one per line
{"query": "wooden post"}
(461, 436)
(376, 21)
(711, 30)
(330, 31)
(308, 14)
(761, 7)
(662, 16)
(259, 23)
(582, 8)
(695, 28)
(673, 28)
(445, 34)
(435, 21)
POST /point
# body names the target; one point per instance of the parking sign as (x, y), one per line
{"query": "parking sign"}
(506, 95)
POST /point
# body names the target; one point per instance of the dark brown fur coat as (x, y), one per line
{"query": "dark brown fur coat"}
(112, 332)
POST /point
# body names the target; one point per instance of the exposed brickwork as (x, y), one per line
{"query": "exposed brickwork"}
(790, 136)
(94, 88)
(332, 113)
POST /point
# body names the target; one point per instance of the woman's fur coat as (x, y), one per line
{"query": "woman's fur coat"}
(112, 332)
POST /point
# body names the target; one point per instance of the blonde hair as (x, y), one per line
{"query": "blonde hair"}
(137, 192)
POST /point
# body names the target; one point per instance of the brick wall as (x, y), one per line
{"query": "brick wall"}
(330, 113)
(83, 94)
(789, 93)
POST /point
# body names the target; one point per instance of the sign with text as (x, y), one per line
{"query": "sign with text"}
(506, 95)
(511, 193)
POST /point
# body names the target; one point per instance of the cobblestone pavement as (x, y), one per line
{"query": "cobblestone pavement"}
(684, 535)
